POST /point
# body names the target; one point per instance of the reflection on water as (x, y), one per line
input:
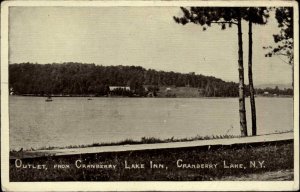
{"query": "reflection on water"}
(75, 121)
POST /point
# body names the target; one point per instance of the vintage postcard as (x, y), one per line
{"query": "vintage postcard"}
(149, 95)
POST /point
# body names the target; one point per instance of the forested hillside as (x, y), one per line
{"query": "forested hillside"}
(83, 79)
(91, 79)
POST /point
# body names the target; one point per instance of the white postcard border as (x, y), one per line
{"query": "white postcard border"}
(147, 185)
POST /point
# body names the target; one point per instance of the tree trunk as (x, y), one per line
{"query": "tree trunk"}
(251, 87)
(242, 108)
(292, 64)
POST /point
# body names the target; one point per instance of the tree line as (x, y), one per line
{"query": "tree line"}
(275, 91)
(90, 79)
(85, 79)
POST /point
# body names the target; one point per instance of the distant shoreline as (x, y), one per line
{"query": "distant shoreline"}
(77, 79)
(94, 96)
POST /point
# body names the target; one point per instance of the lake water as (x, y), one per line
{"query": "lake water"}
(75, 121)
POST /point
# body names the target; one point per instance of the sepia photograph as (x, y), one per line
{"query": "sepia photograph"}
(149, 95)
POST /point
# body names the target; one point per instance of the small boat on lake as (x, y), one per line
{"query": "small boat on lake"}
(49, 99)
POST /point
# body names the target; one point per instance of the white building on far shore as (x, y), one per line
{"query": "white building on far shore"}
(112, 88)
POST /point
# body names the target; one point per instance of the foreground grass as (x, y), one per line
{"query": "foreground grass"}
(280, 175)
(277, 156)
(143, 140)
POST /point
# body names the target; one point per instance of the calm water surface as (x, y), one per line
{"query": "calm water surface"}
(75, 121)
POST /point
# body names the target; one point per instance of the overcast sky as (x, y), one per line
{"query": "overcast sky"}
(141, 36)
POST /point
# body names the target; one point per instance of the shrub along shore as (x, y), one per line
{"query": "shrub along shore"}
(143, 140)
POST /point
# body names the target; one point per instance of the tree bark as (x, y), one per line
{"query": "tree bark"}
(242, 108)
(251, 86)
(292, 64)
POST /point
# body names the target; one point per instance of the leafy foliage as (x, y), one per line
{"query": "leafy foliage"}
(285, 39)
(205, 16)
(257, 15)
(223, 16)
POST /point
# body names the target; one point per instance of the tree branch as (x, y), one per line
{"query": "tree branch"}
(222, 22)
(283, 60)
(281, 54)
